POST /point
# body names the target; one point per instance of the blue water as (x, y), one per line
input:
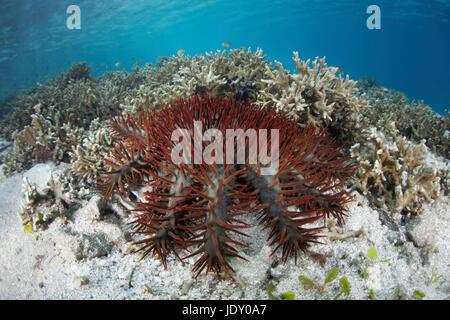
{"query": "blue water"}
(411, 52)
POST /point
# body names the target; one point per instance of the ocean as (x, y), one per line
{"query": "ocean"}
(409, 52)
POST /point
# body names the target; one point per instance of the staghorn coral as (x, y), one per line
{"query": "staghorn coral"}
(196, 206)
(157, 84)
(315, 96)
(394, 172)
(87, 157)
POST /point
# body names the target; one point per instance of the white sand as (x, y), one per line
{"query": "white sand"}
(89, 259)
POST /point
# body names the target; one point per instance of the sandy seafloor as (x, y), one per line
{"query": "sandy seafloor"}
(89, 258)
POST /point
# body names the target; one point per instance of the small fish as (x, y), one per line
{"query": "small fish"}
(226, 44)
(39, 84)
(339, 69)
(180, 52)
(49, 119)
(123, 69)
(117, 64)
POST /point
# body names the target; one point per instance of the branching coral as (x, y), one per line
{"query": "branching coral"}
(314, 96)
(236, 74)
(195, 205)
(87, 157)
(45, 139)
(394, 171)
(43, 205)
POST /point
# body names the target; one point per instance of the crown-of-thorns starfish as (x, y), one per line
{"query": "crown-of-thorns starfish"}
(196, 207)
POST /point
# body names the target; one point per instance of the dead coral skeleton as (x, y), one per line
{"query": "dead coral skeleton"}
(335, 235)
(43, 205)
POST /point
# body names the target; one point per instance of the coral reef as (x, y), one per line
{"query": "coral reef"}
(400, 179)
(76, 99)
(78, 71)
(218, 74)
(46, 123)
(414, 120)
(65, 121)
(195, 206)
